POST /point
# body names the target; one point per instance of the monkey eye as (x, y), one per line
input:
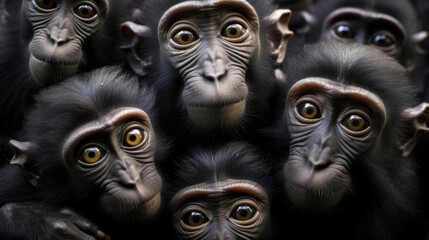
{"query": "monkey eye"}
(134, 137)
(91, 154)
(234, 30)
(355, 123)
(185, 37)
(85, 11)
(309, 110)
(344, 31)
(194, 219)
(243, 213)
(383, 40)
(45, 4)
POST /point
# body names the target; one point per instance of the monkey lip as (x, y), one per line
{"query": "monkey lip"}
(47, 73)
(218, 115)
(53, 61)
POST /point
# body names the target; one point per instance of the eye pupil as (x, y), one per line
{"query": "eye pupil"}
(185, 38)
(233, 31)
(91, 154)
(309, 111)
(383, 40)
(243, 213)
(194, 219)
(85, 11)
(133, 137)
(344, 31)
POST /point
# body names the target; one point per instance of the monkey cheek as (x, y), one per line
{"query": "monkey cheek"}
(48, 74)
(217, 117)
(150, 208)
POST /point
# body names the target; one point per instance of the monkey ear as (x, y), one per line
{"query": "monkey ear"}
(20, 158)
(418, 38)
(278, 23)
(417, 118)
(132, 34)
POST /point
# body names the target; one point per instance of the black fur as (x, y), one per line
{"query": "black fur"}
(402, 10)
(264, 97)
(17, 86)
(383, 203)
(234, 160)
(59, 110)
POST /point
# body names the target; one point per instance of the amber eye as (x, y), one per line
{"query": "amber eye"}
(309, 110)
(194, 219)
(85, 11)
(344, 31)
(355, 123)
(133, 137)
(185, 37)
(382, 40)
(92, 154)
(234, 30)
(243, 213)
(46, 4)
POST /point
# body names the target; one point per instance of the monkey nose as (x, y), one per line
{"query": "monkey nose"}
(128, 175)
(59, 36)
(214, 70)
(319, 157)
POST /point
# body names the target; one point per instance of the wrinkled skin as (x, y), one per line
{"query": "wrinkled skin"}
(220, 192)
(122, 167)
(211, 60)
(330, 124)
(59, 32)
(353, 120)
(92, 151)
(392, 28)
(377, 30)
(207, 48)
(230, 209)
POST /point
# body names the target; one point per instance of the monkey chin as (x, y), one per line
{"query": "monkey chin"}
(224, 116)
(49, 73)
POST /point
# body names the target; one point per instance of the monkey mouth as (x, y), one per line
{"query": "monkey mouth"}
(52, 61)
(214, 116)
(314, 189)
(47, 73)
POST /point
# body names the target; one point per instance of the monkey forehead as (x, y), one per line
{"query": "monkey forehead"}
(365, 14)
(337, 89)
(107, 121)
(240, 186)
(185, 8)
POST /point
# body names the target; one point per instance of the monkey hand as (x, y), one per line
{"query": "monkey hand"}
(32, 221)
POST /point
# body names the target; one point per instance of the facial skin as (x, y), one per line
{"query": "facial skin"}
(229, 209)
(377, 30)
(211, 44)
(59, 32)
(330, 124)
(115, 154)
